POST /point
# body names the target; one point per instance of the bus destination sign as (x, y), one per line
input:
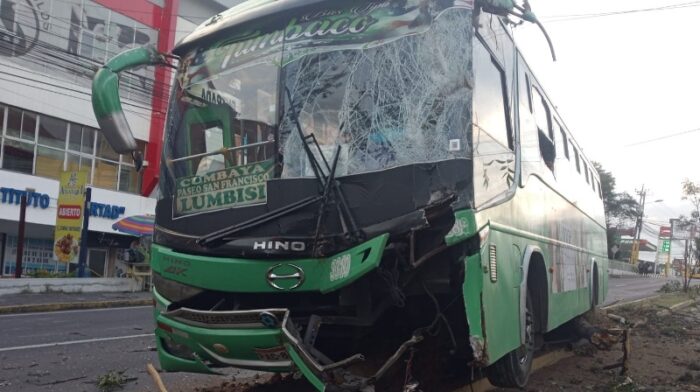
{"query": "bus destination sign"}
(232, 187)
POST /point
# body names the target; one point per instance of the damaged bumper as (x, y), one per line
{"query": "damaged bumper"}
(264, 339)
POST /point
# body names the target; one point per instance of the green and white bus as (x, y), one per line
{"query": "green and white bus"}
(347, 185)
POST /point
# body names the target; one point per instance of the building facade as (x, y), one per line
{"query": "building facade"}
(49, 51)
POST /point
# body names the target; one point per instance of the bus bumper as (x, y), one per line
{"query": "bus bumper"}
(262, 339)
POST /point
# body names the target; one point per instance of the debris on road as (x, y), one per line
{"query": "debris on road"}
(112, 381)
(662, 352)
(156, 377)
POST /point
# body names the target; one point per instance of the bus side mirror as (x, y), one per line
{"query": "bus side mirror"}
(107, 105)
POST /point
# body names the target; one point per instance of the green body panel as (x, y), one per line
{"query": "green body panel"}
(172, 363)
(464, 227)
(105, 84)
(249, 276)
(536, 216)
(310, 376)
(472, 289)
(501, 299)
(241, 343)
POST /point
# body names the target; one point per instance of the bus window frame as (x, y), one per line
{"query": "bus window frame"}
(548, 134)
(564, 140)
(504, 92)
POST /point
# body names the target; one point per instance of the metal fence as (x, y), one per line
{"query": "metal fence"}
(621, 266)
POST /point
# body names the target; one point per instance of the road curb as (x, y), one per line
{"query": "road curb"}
(617, 305)
(682, 305)
(52, 307)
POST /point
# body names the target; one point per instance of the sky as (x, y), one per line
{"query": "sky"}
(621, 80)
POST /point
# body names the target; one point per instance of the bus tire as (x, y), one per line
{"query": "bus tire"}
(594, 288)
(513, 370)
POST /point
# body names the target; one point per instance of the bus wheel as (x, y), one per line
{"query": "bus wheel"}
(513, 370)
(594, 289)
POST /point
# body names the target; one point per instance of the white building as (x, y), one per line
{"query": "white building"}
(49, 51)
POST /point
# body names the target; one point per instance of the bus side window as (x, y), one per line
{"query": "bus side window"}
(600, 191)
(592, 180)
(585, 171)
(490, 98)
(578, 162)
(543, 119)
(564, 141)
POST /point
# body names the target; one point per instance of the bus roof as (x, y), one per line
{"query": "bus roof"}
(242, 14)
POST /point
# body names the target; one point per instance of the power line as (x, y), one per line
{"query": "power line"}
(564, 18)
(664, 137)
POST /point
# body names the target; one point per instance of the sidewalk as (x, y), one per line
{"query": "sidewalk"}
(46, 302)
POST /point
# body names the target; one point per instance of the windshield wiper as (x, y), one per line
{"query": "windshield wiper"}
(328, 183)
(328, 186)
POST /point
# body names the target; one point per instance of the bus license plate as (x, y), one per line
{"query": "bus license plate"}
(274, 354)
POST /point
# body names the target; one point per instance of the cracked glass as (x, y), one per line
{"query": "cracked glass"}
(402, 102)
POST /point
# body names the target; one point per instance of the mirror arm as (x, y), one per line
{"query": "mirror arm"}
(106, 102)
(509, 7)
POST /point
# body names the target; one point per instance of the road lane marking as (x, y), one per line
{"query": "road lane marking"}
(74, 311)
(71, 342)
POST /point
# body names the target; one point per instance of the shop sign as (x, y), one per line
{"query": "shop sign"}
(233, 187)
(13, 196)
(42, 200)
(106, 210)
(69, 216)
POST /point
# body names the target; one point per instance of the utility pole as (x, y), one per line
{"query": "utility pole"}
(20, 235)
(634, 256)
(82, 256)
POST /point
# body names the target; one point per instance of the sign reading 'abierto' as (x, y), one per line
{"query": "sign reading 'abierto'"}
(232, 187)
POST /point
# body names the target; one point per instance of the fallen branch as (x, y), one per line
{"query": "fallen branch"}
(617, 318)
(156, 377)
(626, 351)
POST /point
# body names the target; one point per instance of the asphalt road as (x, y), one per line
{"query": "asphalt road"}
(630, 288)
(69, 350)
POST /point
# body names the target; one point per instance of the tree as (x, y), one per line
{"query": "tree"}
(691, 192)
(620, 208)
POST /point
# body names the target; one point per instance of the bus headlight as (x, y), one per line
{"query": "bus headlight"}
(177, 349)
(173, 291)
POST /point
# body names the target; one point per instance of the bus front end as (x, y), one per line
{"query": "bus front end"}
(316, 196)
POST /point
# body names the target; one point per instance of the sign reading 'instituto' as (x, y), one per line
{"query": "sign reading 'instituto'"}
(231, 187)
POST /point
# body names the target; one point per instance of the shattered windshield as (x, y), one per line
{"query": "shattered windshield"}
(404, 101)
(390, 83)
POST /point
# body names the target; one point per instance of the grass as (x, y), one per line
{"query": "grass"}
(668, 300)
(111, 381)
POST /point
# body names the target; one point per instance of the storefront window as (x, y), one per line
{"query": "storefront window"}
(14, 122)
(49, 162)
(77, 162)
(52, 132)
(37, 256)
(104, 150)
(105, 174)
(76, 132)
(59, 140)
(29, 126)
(87, 145)
(18, 156)
(129, 179)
